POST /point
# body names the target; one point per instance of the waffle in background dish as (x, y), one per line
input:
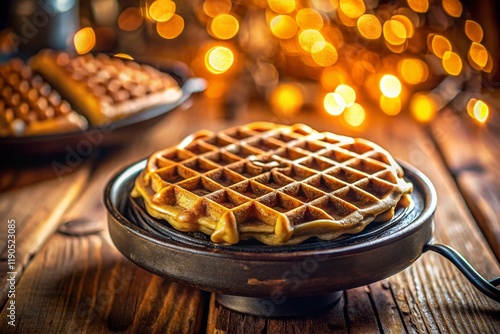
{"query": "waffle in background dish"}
(30, 106)
(274, 183)
(104, 88)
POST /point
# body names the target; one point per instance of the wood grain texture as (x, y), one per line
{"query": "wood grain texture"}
(472, 155)
(81, 283)
(84, 285)
(37, 210)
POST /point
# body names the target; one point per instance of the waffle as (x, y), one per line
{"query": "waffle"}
(29, 105)
(103, 88)
(274, 183)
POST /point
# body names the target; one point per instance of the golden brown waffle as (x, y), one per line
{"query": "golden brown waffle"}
(104, 88)
(278, 184)
(29, 105)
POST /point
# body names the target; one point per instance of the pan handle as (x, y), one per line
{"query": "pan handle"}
(489, 288)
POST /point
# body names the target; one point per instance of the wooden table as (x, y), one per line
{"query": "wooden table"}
(71, 278)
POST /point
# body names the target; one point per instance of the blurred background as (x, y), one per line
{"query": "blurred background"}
(351, 59)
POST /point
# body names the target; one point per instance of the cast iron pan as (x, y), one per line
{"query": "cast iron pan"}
(111, 134)
(253, 278)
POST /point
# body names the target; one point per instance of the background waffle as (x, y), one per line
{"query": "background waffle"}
(105, 88)
(277, 184)
(30, 106)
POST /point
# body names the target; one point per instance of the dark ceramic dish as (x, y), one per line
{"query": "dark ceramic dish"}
(280, 281)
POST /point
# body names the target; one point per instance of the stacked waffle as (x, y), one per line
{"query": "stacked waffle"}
(274, 183)
(30, 106)
(100, 88)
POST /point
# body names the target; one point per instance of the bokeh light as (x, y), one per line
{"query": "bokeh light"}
(354, 115)
(478, 110)
(394, 32)
(219, 59)
(352, 8)
(334, 104)
(452, 7)
(369, 26)
(282, 6)
(419, 6)
(440, 45)
(308, 37)
(347, 93)
(216, 7)
(283, 26)
(390, 86)
(390, 106)
(171, 28)
(452, 63)
(478, 54)
(162, 10)
(309, 18)
(474, 31)
(324, 54)
(287, 98)
(123, 56)
(423, 107)
(413, 70)
(224, 26)
(84, 40)
(130, 19)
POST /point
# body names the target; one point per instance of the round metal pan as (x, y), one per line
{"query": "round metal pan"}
(287, 280)
(110, 134)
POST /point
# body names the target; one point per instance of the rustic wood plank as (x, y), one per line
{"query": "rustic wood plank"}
(83, 284)
(37, 210)
(77, 280)
(471, 152)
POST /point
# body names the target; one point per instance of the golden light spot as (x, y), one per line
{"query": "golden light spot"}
(355, 115)
(124, 56)
(369, 26)
(440, 45)
(419, 6)
(409, 28)
(334, 103)
(390, 106)
(413, 71)
(324, 54)
(397, 48)
(84, 40)
(282, 6)
(284, 26)
(290, 46)
(162, 10)
(219, 59)
(216, 7)
(423, 107)
(489, 65)
(474, 31)
(224, 26)
(390, 86)
(452, 63)
(287, 98)
(352, 8)
(309, 18)
(347, 93)
(308, 37)
(478, 54)
(171, 28)
(130, 19)
(346, 20)
(452, 7)
(332, 77)
(394, 32)
(478, 110)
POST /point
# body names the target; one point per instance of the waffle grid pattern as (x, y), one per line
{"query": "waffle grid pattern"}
(278, 184)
